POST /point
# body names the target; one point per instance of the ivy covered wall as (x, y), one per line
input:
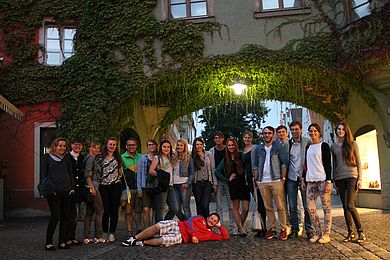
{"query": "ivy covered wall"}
(118, 62)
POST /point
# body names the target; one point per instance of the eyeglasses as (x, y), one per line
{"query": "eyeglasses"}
(267, 133)
(131, 145)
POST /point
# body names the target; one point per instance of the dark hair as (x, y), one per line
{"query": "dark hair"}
(116, 154)
(77, 139)
(281, 127)
(198, 162)
(215, 214)
(269, 128)
(294, 123)
(228, 158)
(347, 147)
(132, 139)
(219, 133)
(316, 126)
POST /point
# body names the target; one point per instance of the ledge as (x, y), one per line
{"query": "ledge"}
(282, 12)
(203, 19)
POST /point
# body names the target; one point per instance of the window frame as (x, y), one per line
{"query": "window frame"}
(38, 126)
(167, 14)
(43, 38)
(350, 9)
(281, 10)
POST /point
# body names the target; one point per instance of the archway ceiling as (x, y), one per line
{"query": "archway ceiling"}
(200, 84)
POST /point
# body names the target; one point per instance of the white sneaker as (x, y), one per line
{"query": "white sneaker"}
(314, 238)
(300, 230)
(111, 238)
(324, 239)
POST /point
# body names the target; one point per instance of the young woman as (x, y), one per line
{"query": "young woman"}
(92, 180)
(183, 175)
(231, 169)
(108, 165)
(143, 171)
(347, 173)
(58, 168)
(317, 180)
(204, 179)
(163, 161)
(248, 154)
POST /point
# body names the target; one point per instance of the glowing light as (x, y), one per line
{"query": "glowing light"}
(238, 88)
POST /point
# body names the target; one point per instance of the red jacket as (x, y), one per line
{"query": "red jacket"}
(197, 226)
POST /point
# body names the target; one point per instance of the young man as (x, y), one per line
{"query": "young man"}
(172, 232)
(270, 170)
(130, 167)
(218, 152)
(297, 148)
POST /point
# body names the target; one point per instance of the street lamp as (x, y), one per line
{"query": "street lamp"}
(238, 88)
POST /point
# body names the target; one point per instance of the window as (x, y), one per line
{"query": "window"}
(280, 4)
(359, 9)
(58, 44)
(271, 8)
(199, 10)
(44, 134)
(368, 150)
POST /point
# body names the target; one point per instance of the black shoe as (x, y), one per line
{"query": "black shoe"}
(293, 235)
(50, 247)
(349, 237)
(362, 238)
(63, 246)
(260, 233)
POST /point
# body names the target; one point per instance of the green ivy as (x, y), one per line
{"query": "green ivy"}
(116, 64)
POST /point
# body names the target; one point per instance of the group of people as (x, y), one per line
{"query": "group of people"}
(280, 172)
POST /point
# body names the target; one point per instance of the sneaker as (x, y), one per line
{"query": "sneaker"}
(362, 238)
(300, 232)
(261, 233)
(131, 241)
(270, 234)
(293, 235)
(283, 234)
(111, 238)
(324, 239)
(288, 230)
(349, 237)
(314, 238)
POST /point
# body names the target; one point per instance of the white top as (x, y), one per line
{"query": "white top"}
(267, 167)
(166, 165)
(315, 168)
(176, 174)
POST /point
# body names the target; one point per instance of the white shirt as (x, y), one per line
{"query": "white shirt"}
(315, 168)
(267, 167)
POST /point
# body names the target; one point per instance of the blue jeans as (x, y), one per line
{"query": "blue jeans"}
(223, 194)
(292, 193)
(178, 200)
(158, 204)
(202, 191)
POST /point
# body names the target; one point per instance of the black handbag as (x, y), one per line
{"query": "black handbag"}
(159, 183)
(46, 186)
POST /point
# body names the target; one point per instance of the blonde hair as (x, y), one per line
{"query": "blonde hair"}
(186, 154)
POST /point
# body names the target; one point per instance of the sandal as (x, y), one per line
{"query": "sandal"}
(50, 247)
(100, 240)
(63, 246)
(76, 242)
(89, 240)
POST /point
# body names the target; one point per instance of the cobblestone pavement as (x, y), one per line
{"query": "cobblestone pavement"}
(23, 238)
